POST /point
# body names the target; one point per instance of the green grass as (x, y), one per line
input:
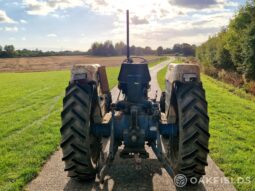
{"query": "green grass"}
(232, 119)
(112, 75)
(161, 59)
(30, 121)
(161, 78)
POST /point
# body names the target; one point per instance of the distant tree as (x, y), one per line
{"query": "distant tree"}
(160, 50)
(108, 49)
(9, 50)
(95, 48)
(139, 51)
(1, 50)
(187, 50)
(148, 50)
(177, 48)
(120, 48)
(132, 50)
(167, 51)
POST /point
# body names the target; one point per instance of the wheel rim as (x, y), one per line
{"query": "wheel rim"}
(95, 151)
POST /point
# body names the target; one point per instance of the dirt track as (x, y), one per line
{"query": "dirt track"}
(123, 175)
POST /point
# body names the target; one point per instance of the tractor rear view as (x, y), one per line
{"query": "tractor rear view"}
(176, 127)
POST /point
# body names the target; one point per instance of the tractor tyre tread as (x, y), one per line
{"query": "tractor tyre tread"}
(193, 123)
(75, 132)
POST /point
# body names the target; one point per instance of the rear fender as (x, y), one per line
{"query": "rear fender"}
(178, 73)
(95, 75)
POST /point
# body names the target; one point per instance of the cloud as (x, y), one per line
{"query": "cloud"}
(23, 21)
(101, 2)
(36, 7)
(194, 29)
(166, 36)
(170, 32)
(52, 35)
(4, 18)
(213, 20)
(9, 29)
(156, 21)
(137, 21)
(195, 4)
(60, 16)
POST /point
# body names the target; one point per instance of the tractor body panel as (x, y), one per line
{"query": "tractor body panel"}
(178, 73)
(94, 74)
(85, 72)
(134, 81)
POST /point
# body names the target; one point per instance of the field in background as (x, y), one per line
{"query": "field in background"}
(232, 119)
(53, 63)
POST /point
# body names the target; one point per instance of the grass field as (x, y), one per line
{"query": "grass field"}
(232, 119)
(30, 121)
(31, 104)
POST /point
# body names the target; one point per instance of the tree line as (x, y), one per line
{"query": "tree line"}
(109, 49)
(9, 51)
(233, 49)
(102, 49)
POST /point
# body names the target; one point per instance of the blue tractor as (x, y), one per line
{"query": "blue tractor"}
(176, 127)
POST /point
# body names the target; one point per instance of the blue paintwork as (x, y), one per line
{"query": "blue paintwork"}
(168, 129)
(147, 125)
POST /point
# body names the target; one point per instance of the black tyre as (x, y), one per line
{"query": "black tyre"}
(81, 150)
(189, 148)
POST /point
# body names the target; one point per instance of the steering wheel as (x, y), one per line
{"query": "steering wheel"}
(130, 60)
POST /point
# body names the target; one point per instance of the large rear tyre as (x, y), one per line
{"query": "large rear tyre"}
(189, 148)
(81, 150)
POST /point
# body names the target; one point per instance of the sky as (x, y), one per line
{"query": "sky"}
(76, 24)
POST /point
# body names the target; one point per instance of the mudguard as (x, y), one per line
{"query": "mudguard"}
(96, 75)
(178, 73)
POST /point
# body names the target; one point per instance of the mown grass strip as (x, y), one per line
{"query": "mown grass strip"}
(161, 59)
(232, 142)
(30, 121)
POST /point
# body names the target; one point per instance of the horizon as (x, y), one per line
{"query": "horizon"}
(58, 25)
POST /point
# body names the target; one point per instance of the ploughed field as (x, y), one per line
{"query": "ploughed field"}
(50, 63)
